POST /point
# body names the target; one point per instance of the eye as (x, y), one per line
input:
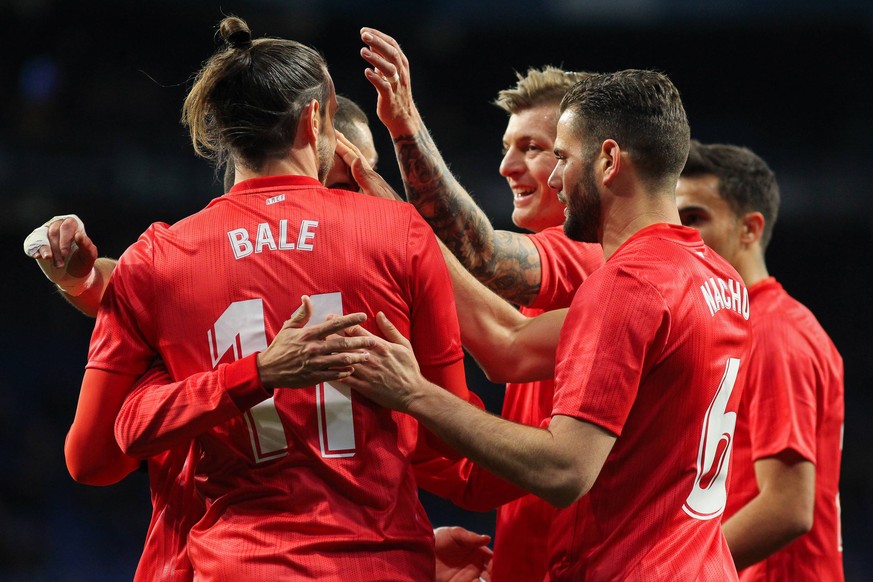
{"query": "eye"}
(691, 218)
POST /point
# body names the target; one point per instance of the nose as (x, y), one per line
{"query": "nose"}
(556, 181)
(511, 163)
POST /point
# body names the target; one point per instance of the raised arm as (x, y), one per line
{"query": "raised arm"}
(505, 261)
(68, 258)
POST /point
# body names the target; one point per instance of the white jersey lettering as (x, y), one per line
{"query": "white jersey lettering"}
(719, 294)
(265, 238)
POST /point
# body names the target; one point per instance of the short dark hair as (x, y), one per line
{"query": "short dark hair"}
(348, 113)
(745, 181)
(642, 111)
(248, 97)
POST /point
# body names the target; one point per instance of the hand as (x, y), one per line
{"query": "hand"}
(390, 376)
(367, 179)
(461, 555)
(300, 356)
(390, 77)
(64, 252)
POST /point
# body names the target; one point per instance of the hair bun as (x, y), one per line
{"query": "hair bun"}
(241, 39)
(235, 33)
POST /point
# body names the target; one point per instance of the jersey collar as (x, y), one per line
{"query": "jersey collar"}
(273, 182)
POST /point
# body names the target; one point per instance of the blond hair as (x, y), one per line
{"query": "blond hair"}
(538, 87)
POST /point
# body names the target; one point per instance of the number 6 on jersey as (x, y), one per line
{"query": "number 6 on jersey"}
(709, 495)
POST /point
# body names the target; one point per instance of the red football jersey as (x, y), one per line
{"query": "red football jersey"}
(522, 530)
(175, 507)
(651, 351)
(312, 483)
(793, 400)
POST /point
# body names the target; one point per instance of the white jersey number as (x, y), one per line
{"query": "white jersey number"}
(709, 494)
(241, 329)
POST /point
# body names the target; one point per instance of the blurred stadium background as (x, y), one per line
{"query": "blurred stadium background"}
(89, 124)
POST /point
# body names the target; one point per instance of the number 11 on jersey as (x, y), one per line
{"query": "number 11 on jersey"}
(336, 429)
(241, 329)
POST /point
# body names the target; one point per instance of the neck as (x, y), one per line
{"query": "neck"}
(751, 266)
(629, 215)
(298, 162)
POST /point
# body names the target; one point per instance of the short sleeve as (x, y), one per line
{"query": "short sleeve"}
(565, 264)
(780, 395)
(616, 327)
(123, 340)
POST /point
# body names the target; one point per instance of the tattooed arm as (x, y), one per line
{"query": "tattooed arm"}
(507, 262)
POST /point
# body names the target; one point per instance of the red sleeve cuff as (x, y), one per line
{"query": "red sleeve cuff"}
(243, 383)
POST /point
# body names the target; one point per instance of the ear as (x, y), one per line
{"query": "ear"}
(311, 120)
(610, 161)
(752, 228)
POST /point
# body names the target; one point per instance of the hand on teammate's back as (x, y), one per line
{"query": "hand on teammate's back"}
(304, 356)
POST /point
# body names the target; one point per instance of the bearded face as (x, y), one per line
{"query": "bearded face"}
(326, 148)
(583, 207)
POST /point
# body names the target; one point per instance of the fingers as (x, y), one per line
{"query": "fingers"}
(303, 314)
(381, 84)
(335, 325)
(380, 63)
(390, 66)
(348, 151)
(61, 236)
(387, 47)
(466, 537)
(356, 331)
(339, 344)
(391, 333)
(86, 246)
(351, 156)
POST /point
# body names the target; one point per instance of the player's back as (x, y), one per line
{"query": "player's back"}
(661, 375)
(311, 482)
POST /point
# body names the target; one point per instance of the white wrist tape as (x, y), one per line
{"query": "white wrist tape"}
(72, 286)
(39, 236)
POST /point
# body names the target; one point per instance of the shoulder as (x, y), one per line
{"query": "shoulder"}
(555, 236)
(138, 259)
(144, 245)
(780, 322)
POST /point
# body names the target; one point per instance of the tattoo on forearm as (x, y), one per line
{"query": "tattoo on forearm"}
(500, 259)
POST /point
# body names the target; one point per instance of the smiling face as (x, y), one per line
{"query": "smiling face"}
(702, 207)
(528, 161)
(574, 178)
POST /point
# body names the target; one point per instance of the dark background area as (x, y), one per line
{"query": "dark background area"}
(89, 115)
